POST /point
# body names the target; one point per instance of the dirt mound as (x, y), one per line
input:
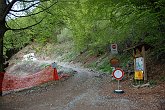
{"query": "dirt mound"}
(26, 68)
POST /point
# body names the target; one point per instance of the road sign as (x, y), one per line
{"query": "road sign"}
(114, 49)
(139, 63)
(113, 46)
(139, 75)
(114, 62)
(118, 74)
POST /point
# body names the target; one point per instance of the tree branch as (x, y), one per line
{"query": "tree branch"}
(13, 21)
(27, 26)
(30, 1)
(8, 8)
(10, 5)
(25, 8)
(7, 1)
(36, 12)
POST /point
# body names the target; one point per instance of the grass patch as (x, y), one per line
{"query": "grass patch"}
(153, 82)
(162, 78)
(104, 66)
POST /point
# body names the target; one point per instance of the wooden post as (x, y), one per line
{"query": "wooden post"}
(134, 59)
(144, 62)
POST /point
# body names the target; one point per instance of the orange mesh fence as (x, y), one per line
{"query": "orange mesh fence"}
(13, 82)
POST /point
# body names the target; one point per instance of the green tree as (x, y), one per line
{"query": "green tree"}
(8, 11)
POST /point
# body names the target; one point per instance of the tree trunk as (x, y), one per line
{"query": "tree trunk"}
(3, 29)
(1, 65)
(2, 71)
(2, 32)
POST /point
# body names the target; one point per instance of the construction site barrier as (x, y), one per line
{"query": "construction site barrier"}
(13, 82)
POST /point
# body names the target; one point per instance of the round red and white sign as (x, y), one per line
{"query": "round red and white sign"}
(114, 46)
(118, 74)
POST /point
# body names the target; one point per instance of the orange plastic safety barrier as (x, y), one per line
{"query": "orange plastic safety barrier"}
(13, 82)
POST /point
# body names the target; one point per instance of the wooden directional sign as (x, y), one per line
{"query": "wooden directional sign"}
(118, 74)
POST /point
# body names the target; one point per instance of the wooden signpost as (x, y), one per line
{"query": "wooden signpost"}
(140, 60)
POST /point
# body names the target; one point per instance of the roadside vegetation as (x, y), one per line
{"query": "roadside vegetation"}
(82, 31)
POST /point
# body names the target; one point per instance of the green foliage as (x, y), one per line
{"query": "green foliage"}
(45, 65)
(16, 39)
(95, 24)
(162, 78)
(66, 35)
(44, 32)
(69, 56)
(153, 82)
(105, 66)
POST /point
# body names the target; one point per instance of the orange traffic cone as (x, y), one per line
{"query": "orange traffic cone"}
(55, 75)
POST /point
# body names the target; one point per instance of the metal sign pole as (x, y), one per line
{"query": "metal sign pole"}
(118, 85)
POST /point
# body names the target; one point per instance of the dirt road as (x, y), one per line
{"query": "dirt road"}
(86, 90)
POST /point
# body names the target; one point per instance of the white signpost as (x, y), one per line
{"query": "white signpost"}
(118, 75)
